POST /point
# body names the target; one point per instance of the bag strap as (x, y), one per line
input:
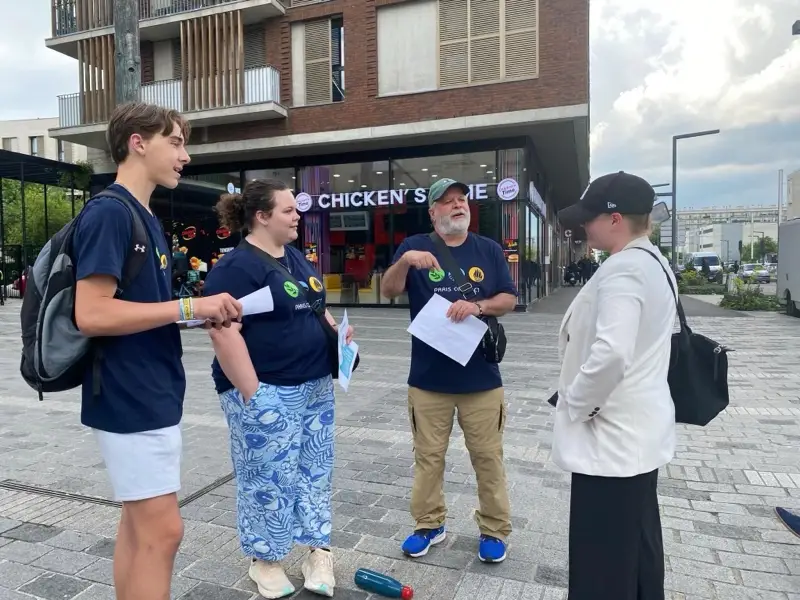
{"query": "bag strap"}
(135, 259)
(318, 306)
(681, 314)
(466, 288)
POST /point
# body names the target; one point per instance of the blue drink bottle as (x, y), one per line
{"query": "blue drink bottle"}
(378, 583)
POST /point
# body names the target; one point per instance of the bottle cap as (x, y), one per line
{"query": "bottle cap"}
(406, 593)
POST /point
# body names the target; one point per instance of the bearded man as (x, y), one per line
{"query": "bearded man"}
(440, 387)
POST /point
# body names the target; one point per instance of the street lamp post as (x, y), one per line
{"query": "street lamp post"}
(675, 139)
(752, 244)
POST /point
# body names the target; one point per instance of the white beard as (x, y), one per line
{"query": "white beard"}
(450, 227)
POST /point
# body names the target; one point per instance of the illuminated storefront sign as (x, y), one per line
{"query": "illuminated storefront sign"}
(375, 198)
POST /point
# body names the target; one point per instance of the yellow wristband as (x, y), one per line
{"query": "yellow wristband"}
(188, 308)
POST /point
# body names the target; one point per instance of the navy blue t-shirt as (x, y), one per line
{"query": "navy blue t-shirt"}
(287, 345)
(483, 263)
(143, 381)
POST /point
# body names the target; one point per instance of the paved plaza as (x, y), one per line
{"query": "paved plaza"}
(722, 539)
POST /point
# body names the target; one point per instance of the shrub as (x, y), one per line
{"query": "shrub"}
(692, 282)
(745, 297)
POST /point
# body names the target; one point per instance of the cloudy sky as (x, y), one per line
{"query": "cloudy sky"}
(685, 66)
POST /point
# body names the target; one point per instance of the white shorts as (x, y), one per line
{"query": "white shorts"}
(142, 465)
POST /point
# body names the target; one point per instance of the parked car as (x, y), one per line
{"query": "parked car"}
(752, 271)
(698, 259)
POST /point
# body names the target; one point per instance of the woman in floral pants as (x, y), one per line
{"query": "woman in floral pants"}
(273, 374)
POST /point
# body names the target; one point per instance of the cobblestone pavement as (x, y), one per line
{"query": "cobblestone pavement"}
(717, 497)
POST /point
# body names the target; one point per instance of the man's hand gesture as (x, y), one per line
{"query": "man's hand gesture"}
(421, 260)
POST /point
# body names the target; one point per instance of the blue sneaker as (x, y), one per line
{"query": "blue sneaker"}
(491, 550)
(791, 520)
(419, 542)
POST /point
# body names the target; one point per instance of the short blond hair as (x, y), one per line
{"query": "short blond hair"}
(639, 223)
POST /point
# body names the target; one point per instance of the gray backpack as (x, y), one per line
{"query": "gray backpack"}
(55, 354)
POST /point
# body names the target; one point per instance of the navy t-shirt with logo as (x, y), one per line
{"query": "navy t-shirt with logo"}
(143, 381)
(483, 263)
(287, 345)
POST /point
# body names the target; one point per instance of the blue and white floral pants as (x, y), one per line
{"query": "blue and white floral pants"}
(282, 450)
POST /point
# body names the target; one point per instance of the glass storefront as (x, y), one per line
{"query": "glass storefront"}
(355, 215)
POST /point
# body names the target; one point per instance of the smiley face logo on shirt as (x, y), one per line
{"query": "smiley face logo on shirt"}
(291, 289)
(435, 275)
(315, 284)
(476, 274)
(162, 259)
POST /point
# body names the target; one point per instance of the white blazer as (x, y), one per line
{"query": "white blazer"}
(615, 416)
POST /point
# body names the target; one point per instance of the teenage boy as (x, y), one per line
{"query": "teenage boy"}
(136, 413)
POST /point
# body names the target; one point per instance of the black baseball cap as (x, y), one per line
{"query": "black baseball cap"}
(621, 193)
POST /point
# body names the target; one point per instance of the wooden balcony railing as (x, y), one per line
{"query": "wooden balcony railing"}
(255, 85)
(152, 9)
(73, 16)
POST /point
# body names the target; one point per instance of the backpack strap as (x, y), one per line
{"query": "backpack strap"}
(136, 255)
(135, 259)
(449, 262)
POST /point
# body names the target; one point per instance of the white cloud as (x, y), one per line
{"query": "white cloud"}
(697, 65)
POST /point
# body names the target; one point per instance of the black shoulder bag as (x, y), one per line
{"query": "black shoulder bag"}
(493, 343)
(698, 371)
(317, 306)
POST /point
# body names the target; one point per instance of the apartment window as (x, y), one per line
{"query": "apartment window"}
(177, 59)
(487, 41)
(64, 151)
(407, 61)
(255, 46)
(318, 62)
(337, 59)
(36, 145)
(8, 143)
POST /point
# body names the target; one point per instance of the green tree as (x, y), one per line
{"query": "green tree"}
(59, 212)
(655, 235)
(760, 248)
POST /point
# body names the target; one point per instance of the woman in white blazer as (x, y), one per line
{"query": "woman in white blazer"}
(615, 420)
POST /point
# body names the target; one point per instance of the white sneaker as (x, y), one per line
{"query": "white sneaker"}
(271, 579)
(318, 572)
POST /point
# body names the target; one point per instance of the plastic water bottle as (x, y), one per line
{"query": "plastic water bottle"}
(378, 583)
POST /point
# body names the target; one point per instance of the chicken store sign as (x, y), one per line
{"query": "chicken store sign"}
(508, 189)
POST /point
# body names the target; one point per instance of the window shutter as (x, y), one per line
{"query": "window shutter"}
(453, 42)
(484, 40)
(255, 46)
(147, 58)
(177, 60)
(318, 62)
(522, 39)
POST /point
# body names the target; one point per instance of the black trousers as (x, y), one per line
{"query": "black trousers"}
(616, 551)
